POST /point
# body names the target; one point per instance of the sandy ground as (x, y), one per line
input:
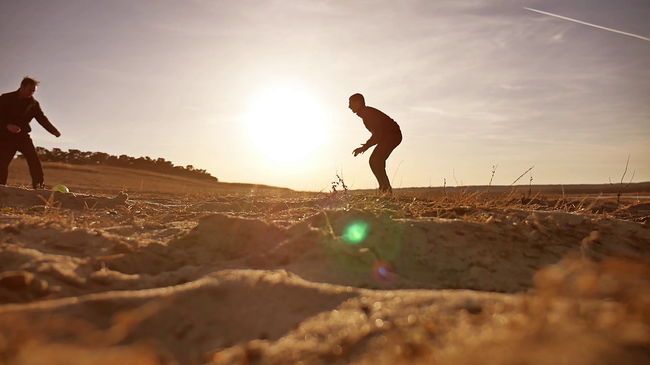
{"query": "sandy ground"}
(316, 280)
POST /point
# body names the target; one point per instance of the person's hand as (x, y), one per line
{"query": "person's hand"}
(13, 128)
(57, 134)
(358, 151)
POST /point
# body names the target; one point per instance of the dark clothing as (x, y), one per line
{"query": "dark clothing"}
(20, 112)
(378, 162)
(387, 135)
(24, 144)
(382, 127)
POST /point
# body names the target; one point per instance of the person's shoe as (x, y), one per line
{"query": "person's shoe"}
(38, 186)
(386, 191)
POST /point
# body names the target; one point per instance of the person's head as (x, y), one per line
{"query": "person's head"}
(27, 87)
(357, 102)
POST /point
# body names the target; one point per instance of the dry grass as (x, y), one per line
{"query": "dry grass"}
(600, 308)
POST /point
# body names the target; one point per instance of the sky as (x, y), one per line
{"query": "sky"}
(472, 84)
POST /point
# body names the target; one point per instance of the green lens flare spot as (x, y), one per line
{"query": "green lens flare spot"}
(356, 232)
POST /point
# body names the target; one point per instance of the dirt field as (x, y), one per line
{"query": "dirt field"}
(139, 268)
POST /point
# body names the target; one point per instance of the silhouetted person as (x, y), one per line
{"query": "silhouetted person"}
(17, 109)
(385, 134)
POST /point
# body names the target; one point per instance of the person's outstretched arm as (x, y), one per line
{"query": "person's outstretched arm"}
(373, 140)
(364, 147)
(372, 119)
(42, 120)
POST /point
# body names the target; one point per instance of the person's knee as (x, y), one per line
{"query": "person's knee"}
(377, 162)
(375, 165)
(374, 157)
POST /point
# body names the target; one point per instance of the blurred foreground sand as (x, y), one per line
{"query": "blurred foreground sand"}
(260, 280)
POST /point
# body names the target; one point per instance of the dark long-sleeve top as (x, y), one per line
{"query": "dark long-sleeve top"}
(20, 112)
(382, 127)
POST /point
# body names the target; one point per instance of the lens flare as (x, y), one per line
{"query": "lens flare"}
(383, 272)
(356, 232)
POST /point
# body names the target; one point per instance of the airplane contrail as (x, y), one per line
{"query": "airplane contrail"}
(589, 24)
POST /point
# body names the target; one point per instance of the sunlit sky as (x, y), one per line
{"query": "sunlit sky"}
(472, 84)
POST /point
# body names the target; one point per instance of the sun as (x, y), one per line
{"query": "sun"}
(287, 125)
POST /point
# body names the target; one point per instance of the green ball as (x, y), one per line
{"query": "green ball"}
(61, 188)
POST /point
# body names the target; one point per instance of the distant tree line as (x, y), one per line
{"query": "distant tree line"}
(160, 165)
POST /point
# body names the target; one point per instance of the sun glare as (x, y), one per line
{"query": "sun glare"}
(286, 125)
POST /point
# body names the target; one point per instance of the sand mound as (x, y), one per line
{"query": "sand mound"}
(167, 281)
(294, 320)
(207, 314)
(501, 254)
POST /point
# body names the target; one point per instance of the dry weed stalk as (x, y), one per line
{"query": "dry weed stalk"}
(51, 209)
(444, 187)
(494, 170)
(530, 201)
(561, 203)
(339, 183)
(522, 175)
(487, 191)
(620, 186)
(392, 182)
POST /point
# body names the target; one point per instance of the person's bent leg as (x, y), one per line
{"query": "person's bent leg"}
(378, 162)
(378, 166)
(7, 153)
(35, 169)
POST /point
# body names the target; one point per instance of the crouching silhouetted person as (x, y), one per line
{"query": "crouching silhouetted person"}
(386, 134)
(17, 109)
